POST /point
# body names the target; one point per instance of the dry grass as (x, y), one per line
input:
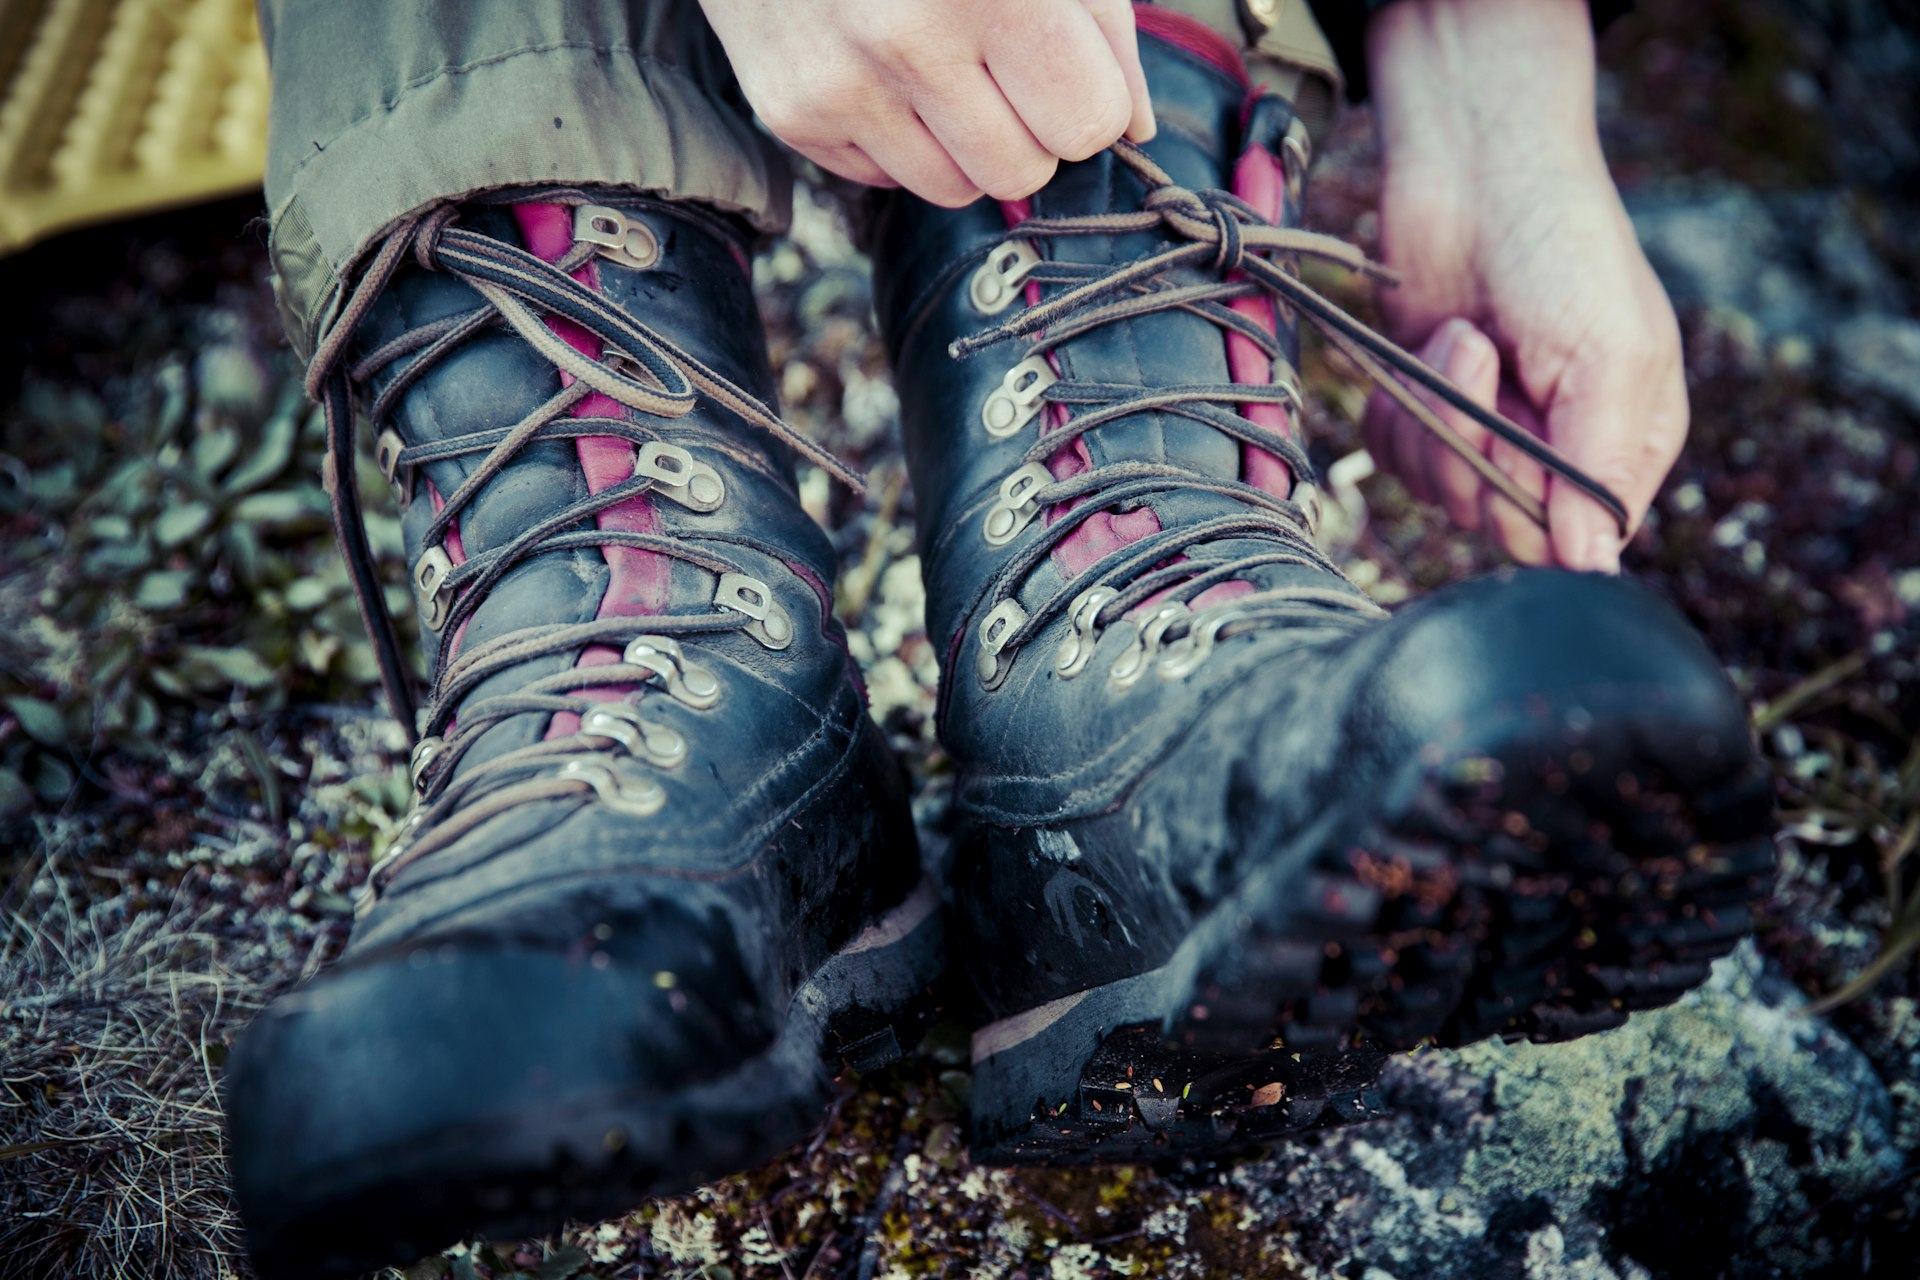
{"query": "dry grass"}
(110, 1137)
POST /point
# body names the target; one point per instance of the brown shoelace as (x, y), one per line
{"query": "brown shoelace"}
(641, 370)
(1216, 231)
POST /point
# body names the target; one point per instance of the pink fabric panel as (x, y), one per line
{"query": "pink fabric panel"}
(638, 581)
(1259, 180)
(1100, 534)
(1192, 35)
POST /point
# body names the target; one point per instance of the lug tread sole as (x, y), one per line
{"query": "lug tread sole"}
(1462, 919)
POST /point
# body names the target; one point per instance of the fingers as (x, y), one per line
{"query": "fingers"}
(848, 161)
(948, 100)
(1055, 66)
(977, 126)
(912, 157)
(1469, 359)
(1429, 469)
(1621, 418)
(1115, 20)
(1517, 531)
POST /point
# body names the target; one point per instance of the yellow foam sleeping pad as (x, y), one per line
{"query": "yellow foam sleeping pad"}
(115, 107)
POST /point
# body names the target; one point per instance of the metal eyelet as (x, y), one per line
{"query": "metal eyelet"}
(369, 891)
(1287, 379)
(1002, 621)
(618, 238)
(1182, 657)
(684, 682)
(1296, 150)
(655, 743)
(425, 752)
(1018, 399)
(996, 282)
(680, 477)
(386, 451)
(1016, 508)
(640, 797)
(1306, 496)
(1131, 665)
(770, 626)
(1082, 615)
(433, 587)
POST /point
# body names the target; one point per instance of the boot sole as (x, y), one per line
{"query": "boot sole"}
(590, 1157)
(1539, 895)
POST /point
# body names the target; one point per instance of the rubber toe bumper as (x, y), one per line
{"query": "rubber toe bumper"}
(412, 1098)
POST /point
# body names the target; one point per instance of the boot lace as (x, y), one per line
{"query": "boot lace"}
(1217, 232)
(641, 370)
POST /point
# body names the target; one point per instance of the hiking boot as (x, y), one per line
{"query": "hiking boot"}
(1226, 831)
(660, 880)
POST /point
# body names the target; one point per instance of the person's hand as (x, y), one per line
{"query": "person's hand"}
(947, 99)
(1521, 277)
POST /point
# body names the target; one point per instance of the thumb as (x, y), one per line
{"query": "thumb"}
(1599, 424)
(1584, 534)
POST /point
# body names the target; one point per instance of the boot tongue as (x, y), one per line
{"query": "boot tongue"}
(493, 380)
(1201, 96)
(639, 581)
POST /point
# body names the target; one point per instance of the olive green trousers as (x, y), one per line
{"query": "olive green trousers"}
(384, 107)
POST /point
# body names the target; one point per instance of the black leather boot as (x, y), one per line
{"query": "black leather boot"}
(1226, 830)
(660, 879)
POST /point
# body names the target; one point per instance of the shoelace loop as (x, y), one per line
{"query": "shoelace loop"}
(1217, 230)
(641, 370)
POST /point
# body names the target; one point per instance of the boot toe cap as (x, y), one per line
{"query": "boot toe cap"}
(379, 1109)
(1531, 654)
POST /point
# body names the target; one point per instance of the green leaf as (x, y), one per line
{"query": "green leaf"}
(142, 716)
(270, 455)
(316, 650)
(111, 528)
(385, 536)
(181, 523)
(307, 594)
(563, 1264)
(52, 779)
(243, 548)
(278, 508)
(116, 560)
(164, 589)
(358, 663)
(263, 773)
(52, 486)
(213, 449)
(40, 719)
(175, 396)
(243, 667)
(16, 797)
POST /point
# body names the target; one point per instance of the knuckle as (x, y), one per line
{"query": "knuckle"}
(1091, 128)
(780, 114)
(951, 191)
(795, 118)
(1023, 180)
(960, 195)
(904, 46)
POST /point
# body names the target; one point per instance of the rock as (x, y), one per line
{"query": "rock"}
(1728, 1135)
(1725, 249)
(1879, 354)
(1795, 262)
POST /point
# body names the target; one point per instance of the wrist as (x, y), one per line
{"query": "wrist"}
(1485, 89)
